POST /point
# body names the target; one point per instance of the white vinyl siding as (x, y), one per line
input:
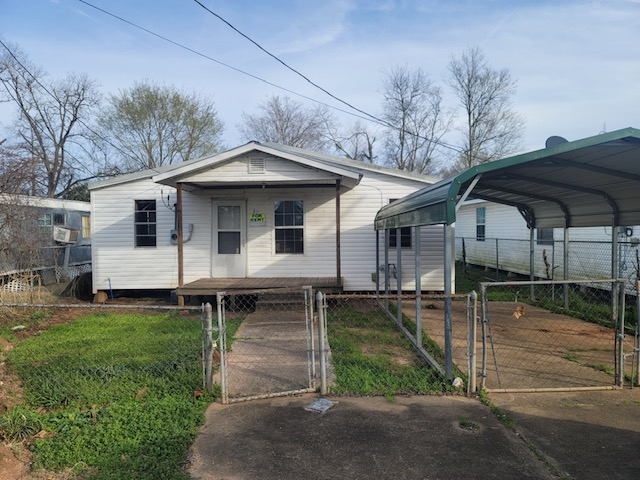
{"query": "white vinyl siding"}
(119, 265)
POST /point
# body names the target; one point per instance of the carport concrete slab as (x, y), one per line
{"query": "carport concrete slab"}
(359, 438)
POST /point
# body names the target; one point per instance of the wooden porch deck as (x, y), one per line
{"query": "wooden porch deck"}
(209, 286)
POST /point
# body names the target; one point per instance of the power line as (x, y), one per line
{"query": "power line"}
(297, 72)
(367, 116)
(287, 65)
(207, 57)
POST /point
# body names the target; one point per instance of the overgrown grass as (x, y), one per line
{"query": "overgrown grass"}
(115, 394)
(371, 357)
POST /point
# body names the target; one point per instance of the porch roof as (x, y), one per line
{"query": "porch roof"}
(590, 182)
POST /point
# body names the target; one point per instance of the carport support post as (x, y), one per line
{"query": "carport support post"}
(386, 269)
(448, 258)
(532, 263)
(565, 266)
(418, 287)
(614, 271)
(399, 276)
(377, 269)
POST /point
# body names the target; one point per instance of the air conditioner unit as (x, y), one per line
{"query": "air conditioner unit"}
(65, 235)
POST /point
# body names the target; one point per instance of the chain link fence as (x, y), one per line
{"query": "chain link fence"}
(82, 355)
(587, 259)
(555, 335)
(283, 342)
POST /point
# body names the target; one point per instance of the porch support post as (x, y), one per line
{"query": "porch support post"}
(180, 245)
(338, 255)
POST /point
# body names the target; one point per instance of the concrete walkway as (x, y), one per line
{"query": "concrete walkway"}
(269, 354)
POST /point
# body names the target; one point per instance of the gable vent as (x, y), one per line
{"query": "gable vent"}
(257, 165)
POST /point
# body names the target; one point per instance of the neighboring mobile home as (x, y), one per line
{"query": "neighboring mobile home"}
(46, 237)
(257, 212)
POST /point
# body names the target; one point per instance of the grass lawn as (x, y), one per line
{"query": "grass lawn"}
(111, 395)
(370, 356)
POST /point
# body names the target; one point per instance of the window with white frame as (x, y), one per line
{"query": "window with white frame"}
(145, 223)
(289, 226)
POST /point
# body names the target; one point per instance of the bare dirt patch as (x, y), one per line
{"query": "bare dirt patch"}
(536, 349)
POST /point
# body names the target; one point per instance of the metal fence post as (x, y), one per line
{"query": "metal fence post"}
(208, 349)
(472, 313)
(222, 347)
(621, 307)
(311, 347)
(322, 312)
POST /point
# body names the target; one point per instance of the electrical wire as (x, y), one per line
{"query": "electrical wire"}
(207, 57)
(286, 65)
(362, 114)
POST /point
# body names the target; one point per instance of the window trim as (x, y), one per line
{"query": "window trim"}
(481, 226)
(288, 228)
(406, 238)
(152, 223)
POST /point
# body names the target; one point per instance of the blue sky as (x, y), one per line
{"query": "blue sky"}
(577, 63)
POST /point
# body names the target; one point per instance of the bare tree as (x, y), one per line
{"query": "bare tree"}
(152, 125)
(357, 143)
(413, 107)
(49, 132)
(283, 120)
(492, 129)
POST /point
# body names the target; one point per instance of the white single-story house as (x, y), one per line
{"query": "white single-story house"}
(259, 215)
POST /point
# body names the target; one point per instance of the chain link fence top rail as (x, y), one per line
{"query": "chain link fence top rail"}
(553, 335)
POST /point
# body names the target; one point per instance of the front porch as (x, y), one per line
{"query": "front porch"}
(210, 286)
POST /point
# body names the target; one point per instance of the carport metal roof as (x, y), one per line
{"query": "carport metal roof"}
(590, 182)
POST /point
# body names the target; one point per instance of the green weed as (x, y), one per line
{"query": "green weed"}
(116, 394)
(20, 423)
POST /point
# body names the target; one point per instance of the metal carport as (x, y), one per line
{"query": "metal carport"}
(584, 183)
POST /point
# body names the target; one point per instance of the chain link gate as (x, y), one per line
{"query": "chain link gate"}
(546, 335)
(267, 345)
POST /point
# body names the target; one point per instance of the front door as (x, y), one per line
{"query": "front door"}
(229, 245)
